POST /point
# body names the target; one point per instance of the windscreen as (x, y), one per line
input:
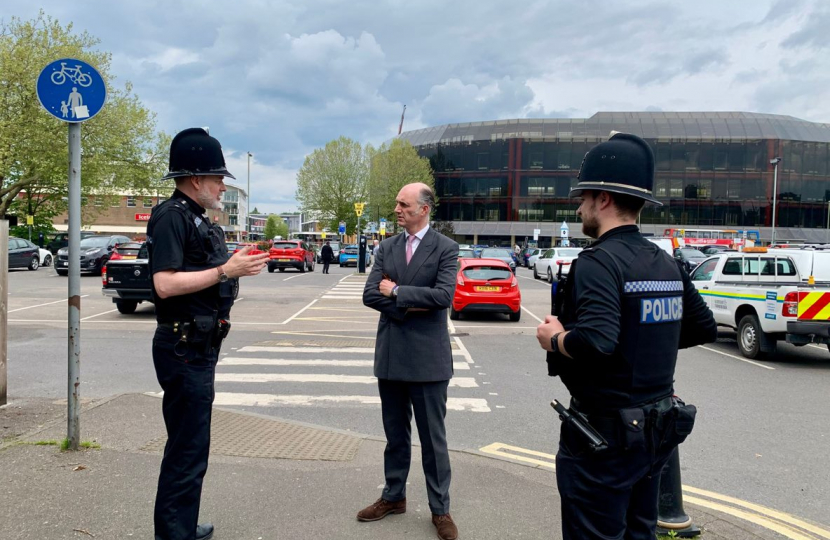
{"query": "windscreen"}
(487, 273)
(95, 242)
(495, 253)
(285, 245)
(568, 252)
(466, 253)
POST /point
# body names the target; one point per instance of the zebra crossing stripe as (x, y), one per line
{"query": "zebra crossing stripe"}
(270, 400)
(237, 361)
(457, 382)
(314, 350)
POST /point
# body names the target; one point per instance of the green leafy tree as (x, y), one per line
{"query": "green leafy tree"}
(121, 149)
(332, 179)
(275, 226)
(393, 166)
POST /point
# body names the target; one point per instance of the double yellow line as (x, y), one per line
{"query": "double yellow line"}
(782, 523)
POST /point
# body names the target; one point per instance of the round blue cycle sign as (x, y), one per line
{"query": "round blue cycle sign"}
(71, 90)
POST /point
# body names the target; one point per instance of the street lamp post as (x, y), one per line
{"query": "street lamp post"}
(774, 161)
(827, 236)
(248, 211)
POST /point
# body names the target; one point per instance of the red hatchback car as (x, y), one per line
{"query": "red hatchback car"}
(486, 286)
(291, 254)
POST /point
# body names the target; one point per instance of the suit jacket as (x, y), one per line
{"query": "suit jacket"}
(327, 254)
(414, 346)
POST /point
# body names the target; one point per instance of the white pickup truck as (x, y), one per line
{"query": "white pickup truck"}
(763, 296)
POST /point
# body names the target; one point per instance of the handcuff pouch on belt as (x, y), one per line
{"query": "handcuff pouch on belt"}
(198, 335)
(684, 421)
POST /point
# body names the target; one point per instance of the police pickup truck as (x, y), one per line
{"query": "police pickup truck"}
(126, 279)
(763, 296)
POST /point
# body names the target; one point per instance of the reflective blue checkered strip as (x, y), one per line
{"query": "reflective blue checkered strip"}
(652, 286)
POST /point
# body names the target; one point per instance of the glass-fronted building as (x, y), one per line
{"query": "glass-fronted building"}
(497, 181)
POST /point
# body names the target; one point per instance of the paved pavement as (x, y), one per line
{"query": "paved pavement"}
(269, 479)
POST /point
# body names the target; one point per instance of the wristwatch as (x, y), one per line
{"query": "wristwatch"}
(395, 291)
(554, 342)
(223, 277)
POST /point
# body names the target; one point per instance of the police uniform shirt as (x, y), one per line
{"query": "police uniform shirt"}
(627, 311)
(175, 243)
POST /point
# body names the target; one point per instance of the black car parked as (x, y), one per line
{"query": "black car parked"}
(61, 240)
(23, 254)
(95, 252)
(690, 257)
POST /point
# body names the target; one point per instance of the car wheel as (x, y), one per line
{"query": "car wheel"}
(535, 273)
(302, 267)
(454, 315)
(752, 341)
(516, 317)
(270, 269)
(47, 260)
(282, 269)
(550, 275)
(62, 272)
(126, 306)
(34, 264)
(311, 266)
(235, 288)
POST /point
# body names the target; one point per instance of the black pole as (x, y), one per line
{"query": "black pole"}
(361, 255)
(670, 513)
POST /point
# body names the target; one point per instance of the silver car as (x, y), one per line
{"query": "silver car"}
(534, 256)
(547, 265)
(502, 254)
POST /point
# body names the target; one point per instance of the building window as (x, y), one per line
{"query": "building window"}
(116, 202)
(130, 202)
(148, 202)
(232, 220)
(99, 201)
(484, 161)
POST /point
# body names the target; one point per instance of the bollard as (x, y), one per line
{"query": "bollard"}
(670, 513)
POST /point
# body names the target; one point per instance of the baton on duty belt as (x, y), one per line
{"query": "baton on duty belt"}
(596, 442)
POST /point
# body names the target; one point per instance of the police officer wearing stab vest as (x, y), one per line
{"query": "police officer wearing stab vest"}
(194, 283)
(626, 310)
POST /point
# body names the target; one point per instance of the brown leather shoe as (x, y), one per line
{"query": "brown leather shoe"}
(446, 526)
(380, 509)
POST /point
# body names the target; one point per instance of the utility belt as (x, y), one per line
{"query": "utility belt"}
(201, 334)
(666, 422)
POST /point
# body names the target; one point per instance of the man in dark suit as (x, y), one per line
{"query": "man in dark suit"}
(412, 284)
(327, 255)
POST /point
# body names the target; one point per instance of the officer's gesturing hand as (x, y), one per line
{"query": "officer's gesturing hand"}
(548, 329)
(242, 264)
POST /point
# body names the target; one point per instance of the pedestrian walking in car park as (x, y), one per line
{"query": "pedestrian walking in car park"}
(625, 310)
(193, 288)
(375, 246)
(327, 255)
(412, 285)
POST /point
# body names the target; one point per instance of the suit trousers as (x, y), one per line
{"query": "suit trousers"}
(612, 494)
(429, 402)
(326, 267)
(187, 382)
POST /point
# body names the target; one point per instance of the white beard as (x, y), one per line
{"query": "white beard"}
(207, 201)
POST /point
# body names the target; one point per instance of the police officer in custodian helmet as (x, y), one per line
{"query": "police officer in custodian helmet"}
(194, 284)
(627, 309)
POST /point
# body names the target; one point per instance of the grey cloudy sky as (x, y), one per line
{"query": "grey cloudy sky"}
(282, 78)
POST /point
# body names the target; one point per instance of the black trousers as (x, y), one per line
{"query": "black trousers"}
(326, 267)
(610, 494)
(187, 382)
(429, 401)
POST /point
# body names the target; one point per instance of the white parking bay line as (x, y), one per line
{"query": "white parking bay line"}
(238, 361)
(41, 305)
(271, 400)
(532, 315)
(98, 314)
(291, 318)
(736, 357)
(458, 382)
(292, 277)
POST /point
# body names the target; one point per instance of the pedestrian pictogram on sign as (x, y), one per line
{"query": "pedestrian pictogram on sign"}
(71, 90)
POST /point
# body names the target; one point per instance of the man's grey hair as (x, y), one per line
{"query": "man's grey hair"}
(427, 197)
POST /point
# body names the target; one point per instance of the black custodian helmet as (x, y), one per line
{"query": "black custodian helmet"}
(195, 153)
(622, 164)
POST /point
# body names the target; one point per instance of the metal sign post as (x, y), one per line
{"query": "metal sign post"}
(73, 91)
(4, 314)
